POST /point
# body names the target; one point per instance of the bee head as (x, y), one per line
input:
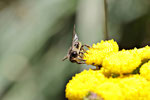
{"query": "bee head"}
(74, 54)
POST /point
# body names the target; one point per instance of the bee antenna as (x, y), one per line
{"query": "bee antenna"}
(66, 57)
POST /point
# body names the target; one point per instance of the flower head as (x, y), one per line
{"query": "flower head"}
(121, 62)
(79, 86)
(96, 54)
(120, 88)
(144, 52)
(145, 70)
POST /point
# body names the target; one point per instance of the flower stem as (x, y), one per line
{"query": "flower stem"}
(106, 17)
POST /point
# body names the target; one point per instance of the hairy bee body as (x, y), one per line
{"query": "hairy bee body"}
(76, 51)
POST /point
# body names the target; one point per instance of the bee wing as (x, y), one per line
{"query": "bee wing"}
(74, 36)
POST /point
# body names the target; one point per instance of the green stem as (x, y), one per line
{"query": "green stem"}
(106, 17)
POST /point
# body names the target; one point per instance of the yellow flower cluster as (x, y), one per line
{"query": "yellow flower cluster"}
(132, 87)
(96, 54)
(106, 82)
(107, 55)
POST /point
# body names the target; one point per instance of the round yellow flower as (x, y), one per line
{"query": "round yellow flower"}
(145, 70)
(121, 62)
(82, 83)
(96, 54)
(120, 88)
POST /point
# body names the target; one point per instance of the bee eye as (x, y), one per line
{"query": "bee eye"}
(74, 54)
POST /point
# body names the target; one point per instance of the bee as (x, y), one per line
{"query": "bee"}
(76, 51)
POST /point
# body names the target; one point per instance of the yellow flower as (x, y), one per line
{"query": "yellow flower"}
(144, 53)
(121, 62)
(96, 54)
(79, 86)
(120, 88)
(145, 70)
(124, 87)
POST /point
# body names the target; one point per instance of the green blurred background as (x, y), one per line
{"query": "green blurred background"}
(35, 35)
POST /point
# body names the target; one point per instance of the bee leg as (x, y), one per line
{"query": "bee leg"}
(81, 54)
(86, 46)
(66, 57)
(83, 49)
(81, 59)
(80, 62)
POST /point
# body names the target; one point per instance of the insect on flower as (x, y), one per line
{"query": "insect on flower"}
(76, 51)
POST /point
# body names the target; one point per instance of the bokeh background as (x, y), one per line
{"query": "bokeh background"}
(35, 35)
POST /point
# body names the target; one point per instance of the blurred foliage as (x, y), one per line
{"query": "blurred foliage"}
(36, 34)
